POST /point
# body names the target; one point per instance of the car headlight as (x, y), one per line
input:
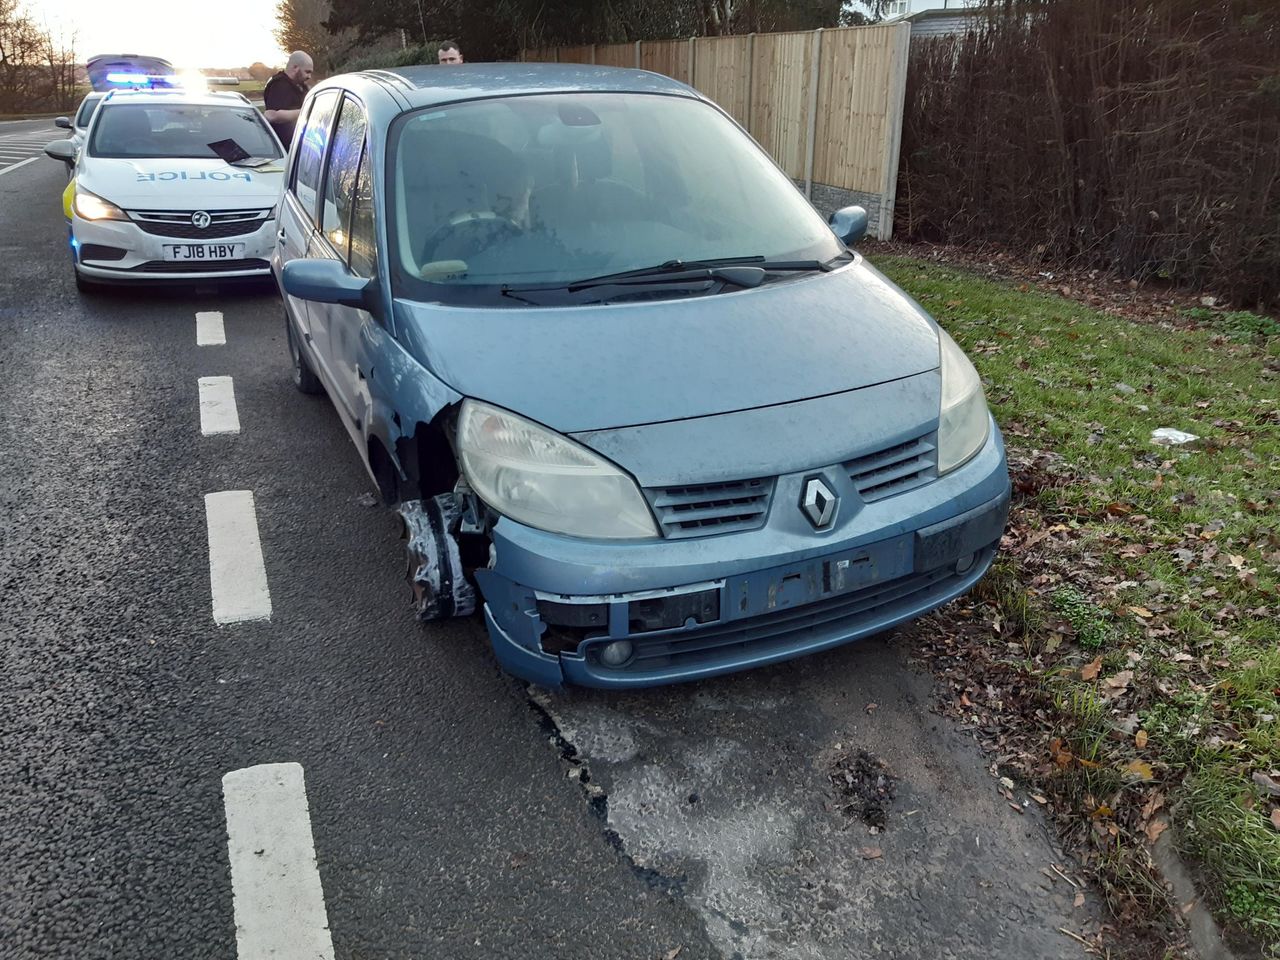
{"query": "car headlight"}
(90, 206)
(964, 422)
(544, 480)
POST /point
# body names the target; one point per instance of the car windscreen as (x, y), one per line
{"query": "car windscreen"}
(86, 109)
(550, 189)
(179, 130)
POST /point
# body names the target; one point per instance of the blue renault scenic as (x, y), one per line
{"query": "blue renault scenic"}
(631, 395)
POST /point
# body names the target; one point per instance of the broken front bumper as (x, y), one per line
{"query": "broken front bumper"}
(702, 607)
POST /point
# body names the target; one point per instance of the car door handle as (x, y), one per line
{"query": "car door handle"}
(280, 235)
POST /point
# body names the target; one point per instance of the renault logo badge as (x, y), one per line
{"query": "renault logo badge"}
(818, 503)
(200, 220)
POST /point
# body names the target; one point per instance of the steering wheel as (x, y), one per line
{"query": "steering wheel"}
(467, 233)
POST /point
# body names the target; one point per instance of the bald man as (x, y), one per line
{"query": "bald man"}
(283, 95)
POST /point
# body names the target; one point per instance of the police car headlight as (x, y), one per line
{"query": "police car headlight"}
(964, 422)
(540, 478)
(90, 206)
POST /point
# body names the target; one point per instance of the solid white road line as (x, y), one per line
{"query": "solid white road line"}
(209, 330)
(218, 406)
(275, 884)
(20, 163)
(237, 575)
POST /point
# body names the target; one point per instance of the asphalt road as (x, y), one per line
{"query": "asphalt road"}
(454, 811)
(21, 141)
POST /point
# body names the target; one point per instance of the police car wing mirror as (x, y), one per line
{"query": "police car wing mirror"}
(63, 150)
(849, 224)
(327, 281)
(63, 122)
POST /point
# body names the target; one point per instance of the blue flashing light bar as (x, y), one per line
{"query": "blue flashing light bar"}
(142, 79)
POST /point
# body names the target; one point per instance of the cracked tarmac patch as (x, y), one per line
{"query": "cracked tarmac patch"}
(721, 791)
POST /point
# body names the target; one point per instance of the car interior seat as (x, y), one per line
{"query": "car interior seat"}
(126, 132)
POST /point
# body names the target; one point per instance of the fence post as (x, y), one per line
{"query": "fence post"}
(894, 106)
(693, 61)
(815, 72)
(751, 77)
(593, 53)
(557, 54)
(638, 42)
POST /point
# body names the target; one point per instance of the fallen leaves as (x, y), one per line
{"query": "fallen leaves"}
(1269, 784)
(872, 853)
(1090, 670)
(1117, 684)
(1141, 769)
(1140, 739)
(1275, 818)
(1154, 828)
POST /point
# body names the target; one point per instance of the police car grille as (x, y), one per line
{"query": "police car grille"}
(895, 469)
(698, 510)
(200, 266)
(177, 223)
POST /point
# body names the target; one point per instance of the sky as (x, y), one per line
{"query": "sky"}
(189, 33)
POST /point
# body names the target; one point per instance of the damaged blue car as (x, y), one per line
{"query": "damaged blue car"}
(632, 396)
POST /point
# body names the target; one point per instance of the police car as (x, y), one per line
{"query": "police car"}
(172, 185)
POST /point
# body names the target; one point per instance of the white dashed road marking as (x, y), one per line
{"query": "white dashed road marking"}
(20, 163)
(218, 406)
(237, 574)
(275, 884)
(209, 330)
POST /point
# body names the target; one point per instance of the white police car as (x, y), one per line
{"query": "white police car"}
(172, 185)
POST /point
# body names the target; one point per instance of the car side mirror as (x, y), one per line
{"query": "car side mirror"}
(63, 122)
(849, 224)
(327, 281)
(63, 150)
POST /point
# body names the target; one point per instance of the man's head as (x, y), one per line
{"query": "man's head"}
(449, 53)
(299, 68)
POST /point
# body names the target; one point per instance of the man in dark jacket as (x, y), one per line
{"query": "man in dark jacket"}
(282, 97)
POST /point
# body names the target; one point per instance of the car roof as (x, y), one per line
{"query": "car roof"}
(430, 85)
(202, 98)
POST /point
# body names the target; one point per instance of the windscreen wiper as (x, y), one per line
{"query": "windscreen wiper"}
(733, 270)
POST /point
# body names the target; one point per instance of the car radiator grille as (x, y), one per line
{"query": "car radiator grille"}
(177, 223)
(895, 469)
(200, 266)
(698, 510)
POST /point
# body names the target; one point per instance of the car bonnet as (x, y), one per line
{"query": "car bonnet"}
(167, 183)
(606, 366)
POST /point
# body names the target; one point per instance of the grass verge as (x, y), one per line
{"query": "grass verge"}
(1127, 638)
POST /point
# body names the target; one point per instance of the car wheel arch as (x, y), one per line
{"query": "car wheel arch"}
(423, 461)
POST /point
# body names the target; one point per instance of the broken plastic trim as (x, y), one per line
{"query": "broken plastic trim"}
(435, 572)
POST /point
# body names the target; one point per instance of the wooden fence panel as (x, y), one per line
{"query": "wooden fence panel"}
(580, 54)
(853, 99)
(616, 54)
(781, 79)
(721, 69)
(668, 57)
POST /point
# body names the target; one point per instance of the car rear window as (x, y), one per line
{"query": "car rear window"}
(179, 130)
(86, 109)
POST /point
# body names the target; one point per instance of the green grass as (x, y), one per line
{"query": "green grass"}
(1165, 554)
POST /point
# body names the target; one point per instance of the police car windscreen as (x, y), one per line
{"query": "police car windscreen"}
(185, 131)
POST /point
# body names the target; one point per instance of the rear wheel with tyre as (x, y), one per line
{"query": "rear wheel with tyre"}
(304, 377)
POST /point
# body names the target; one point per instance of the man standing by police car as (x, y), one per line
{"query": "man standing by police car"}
(283, 95)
